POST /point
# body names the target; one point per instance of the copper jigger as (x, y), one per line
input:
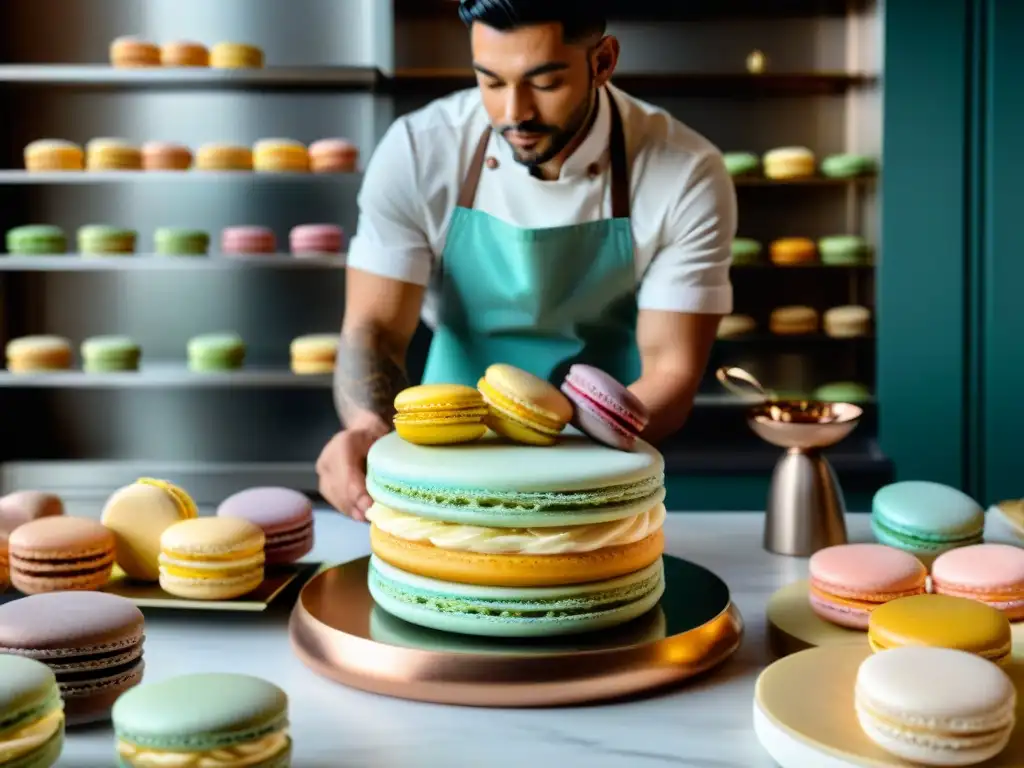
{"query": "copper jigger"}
(805, 511)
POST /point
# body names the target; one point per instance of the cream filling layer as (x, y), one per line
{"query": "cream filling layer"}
(31, 737)
(518, 541)
(243, 564)
(240, 756)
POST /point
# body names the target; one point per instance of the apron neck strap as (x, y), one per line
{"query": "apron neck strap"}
(617, 152)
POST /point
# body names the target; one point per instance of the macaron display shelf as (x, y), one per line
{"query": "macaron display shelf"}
(73, 262)
(167, 374)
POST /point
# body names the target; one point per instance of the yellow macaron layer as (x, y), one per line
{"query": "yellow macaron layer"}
(440, 414)
(501, 570)
(32, 736)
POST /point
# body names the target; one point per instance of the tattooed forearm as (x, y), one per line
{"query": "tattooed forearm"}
(368, 374)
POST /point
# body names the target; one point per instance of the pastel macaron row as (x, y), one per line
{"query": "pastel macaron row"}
(329, 155)
(834, 250)
(794, 163)
(309, 354)
(93, 239)
(129, 52)
(521, 407)
(843, 322)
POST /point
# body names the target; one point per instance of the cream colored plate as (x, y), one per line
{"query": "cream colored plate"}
(793, 626)
(804, 715)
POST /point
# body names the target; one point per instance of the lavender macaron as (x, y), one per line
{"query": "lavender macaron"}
(604, 409)
(286, 517)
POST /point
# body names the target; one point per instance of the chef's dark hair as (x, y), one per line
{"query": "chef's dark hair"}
(580, 19)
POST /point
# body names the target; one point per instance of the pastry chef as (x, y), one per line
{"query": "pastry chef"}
(542, 218)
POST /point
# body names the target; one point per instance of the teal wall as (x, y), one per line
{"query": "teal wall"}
(922, 306)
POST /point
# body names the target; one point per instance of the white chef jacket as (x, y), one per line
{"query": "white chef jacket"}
(683, 215)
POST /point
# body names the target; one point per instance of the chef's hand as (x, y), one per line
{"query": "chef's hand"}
(342, 467)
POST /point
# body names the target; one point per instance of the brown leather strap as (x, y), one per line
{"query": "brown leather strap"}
(467, 195)
(619, 163)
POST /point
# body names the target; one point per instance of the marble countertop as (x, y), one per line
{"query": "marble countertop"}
(706, 724)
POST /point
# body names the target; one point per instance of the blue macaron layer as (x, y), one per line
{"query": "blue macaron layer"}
(926, 518)
(515, 612)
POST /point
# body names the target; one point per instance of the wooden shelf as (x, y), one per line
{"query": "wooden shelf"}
(435, 82)
(624, 10)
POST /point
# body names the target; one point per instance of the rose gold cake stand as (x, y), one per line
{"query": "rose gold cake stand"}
(338, 632)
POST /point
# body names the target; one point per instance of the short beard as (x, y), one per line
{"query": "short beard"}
(577, 123)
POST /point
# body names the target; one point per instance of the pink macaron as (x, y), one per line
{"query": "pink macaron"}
(245, 240)
(604, 409)
(848, 581)
(286, 517)
(316, 239)
(333, 156)
(988, 573)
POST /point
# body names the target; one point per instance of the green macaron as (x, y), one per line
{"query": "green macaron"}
(216, 352)
(103, 354)
(197, 715)
(844, 250)
(29, 697)
(36, 239)
(741, 163)
(842, 392)
(745, 251)
(848, 166)
(925, 518)
(172, 241)
(102, 239)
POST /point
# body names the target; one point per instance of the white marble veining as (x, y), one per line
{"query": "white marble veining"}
(706, 724)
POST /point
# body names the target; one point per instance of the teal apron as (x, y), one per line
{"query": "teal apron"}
(538, 299)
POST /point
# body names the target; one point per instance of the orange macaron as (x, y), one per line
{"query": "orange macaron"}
(165, 156)
(132, 53)
(794, 250)
(184, 53)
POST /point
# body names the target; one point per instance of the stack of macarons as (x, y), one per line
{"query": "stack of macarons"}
(204, 719)
(131, 52)
(497, 538)
(522, 408)
(92, 641)
(797, 163)
(330, 155)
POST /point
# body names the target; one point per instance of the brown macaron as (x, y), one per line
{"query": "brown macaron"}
(54, 554)
(91, 640)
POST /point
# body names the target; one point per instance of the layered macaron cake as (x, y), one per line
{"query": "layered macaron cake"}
(496, 538)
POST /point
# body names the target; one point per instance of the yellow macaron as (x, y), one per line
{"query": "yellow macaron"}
(54, 155)
(29, 354)
(236, 56)
(793, 321)
(942, 621)
(794, 250)
(314, 354)
(440, 414)
(211, 558)
(787, 163)
(137, 515)
(523, 407)
(112, 155)
(516, 570)
(280, 156)
(223, 157)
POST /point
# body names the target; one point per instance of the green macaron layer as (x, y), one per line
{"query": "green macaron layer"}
(104, 354)
(216, 352)
(36, 240)
(171, 241)
(101, 239)
(745, 251)
(201, 712)
(741, 163)
(519, 612)
(849, 165)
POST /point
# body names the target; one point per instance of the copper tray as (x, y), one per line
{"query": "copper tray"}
(338, 631)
